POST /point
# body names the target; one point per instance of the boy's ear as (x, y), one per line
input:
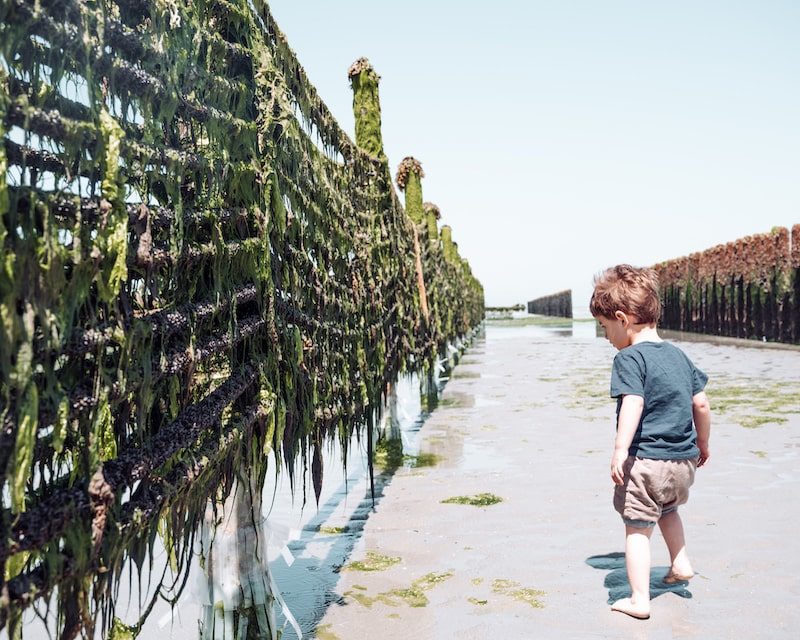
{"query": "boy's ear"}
(621, 316)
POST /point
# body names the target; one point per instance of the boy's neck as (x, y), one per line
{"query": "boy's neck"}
(644, 333)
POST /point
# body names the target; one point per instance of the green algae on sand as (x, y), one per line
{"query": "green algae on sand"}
(513, 589)
(413, 596)
(323, 632)
(332, 531)
(373, 562)
(754, 422)
(752, 403)
(478, 500)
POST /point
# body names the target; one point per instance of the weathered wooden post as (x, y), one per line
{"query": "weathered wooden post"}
(366, 107)
(364, 81)
(447, 243)
(432, 214)
(409, 179)
(240, 597)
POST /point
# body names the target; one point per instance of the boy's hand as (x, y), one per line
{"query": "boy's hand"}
(701, 413)
(617, 460)
(705, 454)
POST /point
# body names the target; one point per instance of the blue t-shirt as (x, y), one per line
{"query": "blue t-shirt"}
(665, 377)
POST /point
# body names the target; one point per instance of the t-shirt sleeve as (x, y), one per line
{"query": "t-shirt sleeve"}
(627, 376)
(699, 380)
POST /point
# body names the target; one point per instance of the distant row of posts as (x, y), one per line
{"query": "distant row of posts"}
(556, 304)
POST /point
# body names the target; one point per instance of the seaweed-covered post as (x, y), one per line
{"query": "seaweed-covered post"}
(432, 214)
(447, 243)
(364, 81)
(366, 107)
(409, 179)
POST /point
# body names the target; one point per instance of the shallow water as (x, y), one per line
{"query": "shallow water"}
(309, 544)
(535, 430)
(320, 539)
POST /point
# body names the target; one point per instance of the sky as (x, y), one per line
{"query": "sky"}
(562, 137)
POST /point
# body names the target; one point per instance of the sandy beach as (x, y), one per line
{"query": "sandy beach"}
(526, 418)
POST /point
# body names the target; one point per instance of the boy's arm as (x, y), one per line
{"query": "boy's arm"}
(629, 415)
(701, 412)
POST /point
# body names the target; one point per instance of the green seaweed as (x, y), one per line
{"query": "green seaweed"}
(752, 403)
(121, 631)
(373, 562)
(22, 458)
(412, 596)
(478, 500)
(323, 632)
(333, 530)
(514, 590)
(754, 422)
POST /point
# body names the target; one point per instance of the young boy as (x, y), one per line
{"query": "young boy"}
(663, 426)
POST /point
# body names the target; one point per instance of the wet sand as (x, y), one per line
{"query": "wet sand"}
(526, 417)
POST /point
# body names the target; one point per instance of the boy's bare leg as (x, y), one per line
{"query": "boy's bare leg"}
(637, 562)
(672, 529)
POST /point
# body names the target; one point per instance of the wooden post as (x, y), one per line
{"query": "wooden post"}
(447, 243)
(432, 214)
(409, 179)
(366, 107)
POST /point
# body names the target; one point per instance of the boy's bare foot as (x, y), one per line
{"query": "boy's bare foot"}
(673, 577)
(638, 611)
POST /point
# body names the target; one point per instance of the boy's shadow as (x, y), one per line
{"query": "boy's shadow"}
(617, 580)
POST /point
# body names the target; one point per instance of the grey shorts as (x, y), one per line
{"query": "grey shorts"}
(652, 488)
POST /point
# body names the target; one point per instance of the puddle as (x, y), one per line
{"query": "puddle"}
(457, 400)
(465, 374)
(478, 455)
(483, 401)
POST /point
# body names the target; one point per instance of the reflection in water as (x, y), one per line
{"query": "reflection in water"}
(328, 538)
(581, 330)
(457, 400)
(237, 601)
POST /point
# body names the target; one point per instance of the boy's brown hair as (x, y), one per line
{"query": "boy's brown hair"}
(628, 289)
